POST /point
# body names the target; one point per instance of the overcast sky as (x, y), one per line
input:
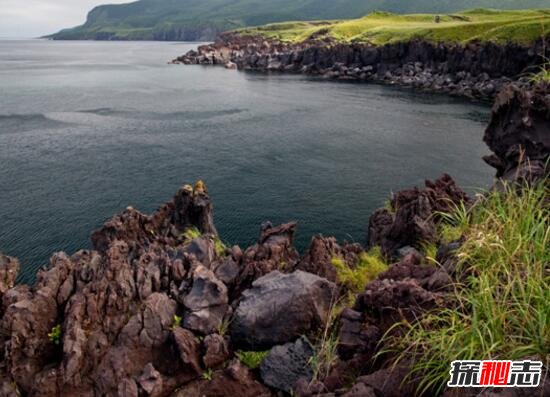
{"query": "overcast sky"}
(33, 18)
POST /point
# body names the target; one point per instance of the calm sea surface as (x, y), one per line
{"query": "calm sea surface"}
(88, 128)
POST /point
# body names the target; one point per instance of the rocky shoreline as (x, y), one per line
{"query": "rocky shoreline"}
(161, 307)
(477, 70)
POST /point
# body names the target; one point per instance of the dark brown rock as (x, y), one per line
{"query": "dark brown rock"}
(235, 380)
(519, 133)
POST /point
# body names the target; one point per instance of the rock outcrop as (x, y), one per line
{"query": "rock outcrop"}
(519, 133)
(411, 219)
(475, 70)
(158, 308)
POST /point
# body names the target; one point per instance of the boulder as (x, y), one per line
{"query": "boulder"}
(286, 364)
(206, 302)
(280, 308)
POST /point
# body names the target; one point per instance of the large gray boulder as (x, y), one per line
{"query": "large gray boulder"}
(286, 364)
(280, 308)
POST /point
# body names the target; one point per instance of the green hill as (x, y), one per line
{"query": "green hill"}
(520, 26)
(203, 19)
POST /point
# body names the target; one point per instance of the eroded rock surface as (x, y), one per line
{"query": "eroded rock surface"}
(280, 308)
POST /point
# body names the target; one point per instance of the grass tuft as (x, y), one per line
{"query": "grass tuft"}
(503, 304)
(191, 233)
(251, 359)
(369, 265)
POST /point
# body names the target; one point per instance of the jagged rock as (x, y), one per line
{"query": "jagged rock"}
(193, 208)
(388, 382)
(206, 302)
(235, 380)
(9, 269)
(279, 308)
(189, 349)
(519, 133)
(285, 364)
(273, 251)
(216, 351)
(320, 254)
(355, 335)
(151, 381)
(415, 213)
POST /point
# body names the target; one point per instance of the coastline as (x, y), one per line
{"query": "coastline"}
(161, 307)
(476, 70)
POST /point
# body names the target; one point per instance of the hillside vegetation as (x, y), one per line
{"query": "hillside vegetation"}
(522, 26)
(203, 19)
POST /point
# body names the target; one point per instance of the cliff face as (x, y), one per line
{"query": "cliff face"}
(161, 307)
(478, 69)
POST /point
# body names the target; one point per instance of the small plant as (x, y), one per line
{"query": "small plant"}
(224, 326)
(430, 252)
(176, 322)
(207, 375)
(55, 334)
(219, 247)
(326, 353)
(542, 75)
(449, 233)
(368, 266)
(191, 233)
(251, 359)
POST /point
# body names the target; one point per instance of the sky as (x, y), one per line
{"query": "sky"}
(34, 18)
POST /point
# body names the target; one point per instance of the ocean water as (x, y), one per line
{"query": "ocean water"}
(88, 128)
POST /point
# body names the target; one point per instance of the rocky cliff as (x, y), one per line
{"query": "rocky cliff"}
(475, 70)
(160, 307)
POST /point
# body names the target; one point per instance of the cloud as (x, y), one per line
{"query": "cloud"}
(33, 18)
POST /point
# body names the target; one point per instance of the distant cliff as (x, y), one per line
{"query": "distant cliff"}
(194, 20)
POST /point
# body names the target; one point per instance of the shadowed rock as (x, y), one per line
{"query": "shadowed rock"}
(280, 308)
(519, 133)
(286, 364)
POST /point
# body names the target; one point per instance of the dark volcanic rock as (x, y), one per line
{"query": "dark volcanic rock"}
(285, 364)
(235, 380)
(473, 70)
(321, 251)
(206, 302)
(273, 251)
(519, 133)
(415, 214)
(279, 308)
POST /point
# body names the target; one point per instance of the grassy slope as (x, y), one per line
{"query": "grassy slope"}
(504, 302)
(147, 18)
(523, 26)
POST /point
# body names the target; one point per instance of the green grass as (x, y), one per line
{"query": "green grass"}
(369, 265)
(543, 75)
(521, 26)
(191, 233)
(503, 305)
(251, 359)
